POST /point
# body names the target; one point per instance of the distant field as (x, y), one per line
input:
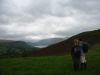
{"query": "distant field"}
(53, 65)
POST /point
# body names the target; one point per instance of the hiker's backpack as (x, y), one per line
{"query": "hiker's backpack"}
(85, 47)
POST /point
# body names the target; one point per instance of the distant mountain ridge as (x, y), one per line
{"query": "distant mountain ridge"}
(12, 43)
(4, 40)
(47, 42)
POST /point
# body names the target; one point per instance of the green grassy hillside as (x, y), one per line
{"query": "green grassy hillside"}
(52, 65)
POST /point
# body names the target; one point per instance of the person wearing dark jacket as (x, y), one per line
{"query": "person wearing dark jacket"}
(75, 53)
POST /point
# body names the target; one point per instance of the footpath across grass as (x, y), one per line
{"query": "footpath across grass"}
(52, 65)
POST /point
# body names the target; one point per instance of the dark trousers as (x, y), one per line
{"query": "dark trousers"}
(83, 66)
(76, 63)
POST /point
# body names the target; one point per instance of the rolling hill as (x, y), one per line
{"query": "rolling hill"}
(11, 48)
(62, 48)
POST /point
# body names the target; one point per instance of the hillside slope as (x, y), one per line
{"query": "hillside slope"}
(62, 48)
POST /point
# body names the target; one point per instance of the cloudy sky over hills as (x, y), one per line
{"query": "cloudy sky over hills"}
(40, 19)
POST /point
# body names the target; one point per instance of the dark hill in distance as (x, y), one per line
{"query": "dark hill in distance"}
(14, 44)
(62, 48)
(11, 48)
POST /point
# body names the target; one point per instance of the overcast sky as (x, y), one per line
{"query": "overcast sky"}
(41, 19)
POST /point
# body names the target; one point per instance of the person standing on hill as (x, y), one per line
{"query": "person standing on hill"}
(76, 53)
(84, 50)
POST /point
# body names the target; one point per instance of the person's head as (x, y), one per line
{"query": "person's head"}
(76, 42)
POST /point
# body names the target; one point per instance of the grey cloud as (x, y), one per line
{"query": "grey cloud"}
(88, 6)
(85, 12)
(2, 31)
